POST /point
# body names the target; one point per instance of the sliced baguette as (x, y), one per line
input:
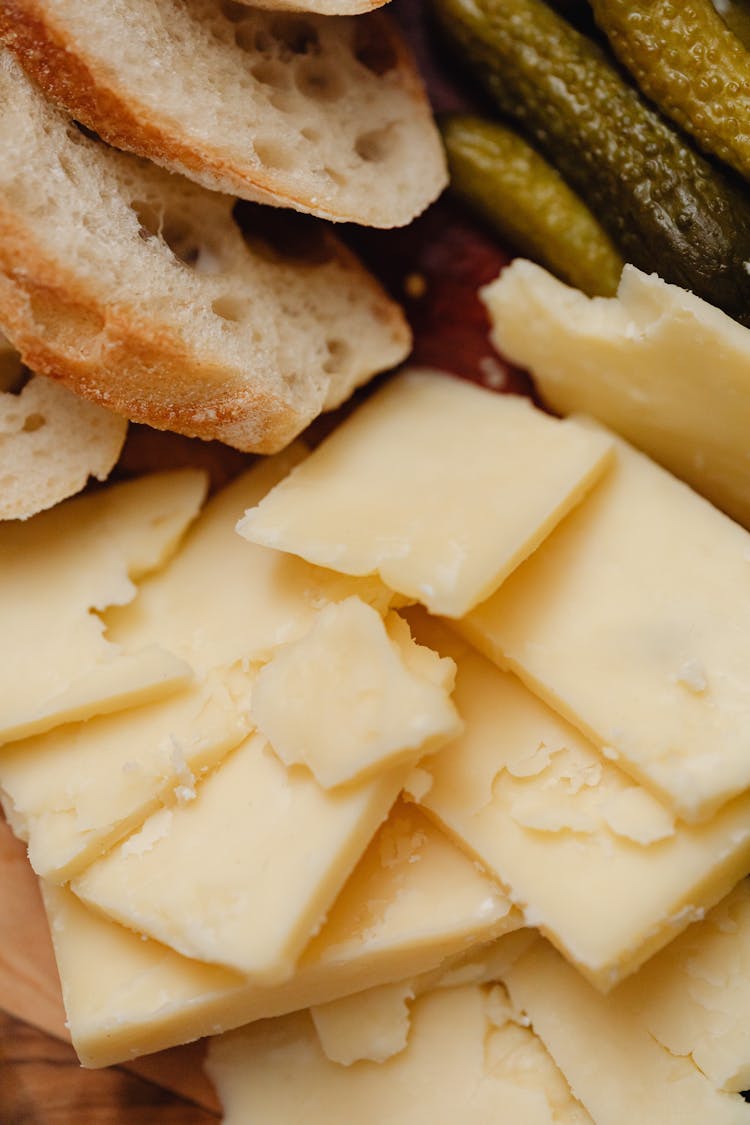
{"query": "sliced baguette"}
(51, 442)
(137, 289)
(323, 114)
(320, 7)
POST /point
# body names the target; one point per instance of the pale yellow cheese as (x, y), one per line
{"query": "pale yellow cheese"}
(375, 1024)
(466, 1061)
(593, 859)
(413, 903)
(633, 620)
(440, 487)
(75, 791)
(58, 571)
(343, 701)
(665, 369)
(223, 599)
(694, 997)
(620, 1072)
(244, 874)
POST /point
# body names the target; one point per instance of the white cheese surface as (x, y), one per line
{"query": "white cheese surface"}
(438, 486)
(633, 620)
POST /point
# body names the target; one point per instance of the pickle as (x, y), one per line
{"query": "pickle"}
(736, 15)
(522, 197)
(687, 60)
(665, 206)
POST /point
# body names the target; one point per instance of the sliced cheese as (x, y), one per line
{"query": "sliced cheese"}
(464, 1062)
(223, 599)
(244, 874)
(343, 701)
(620, 1072)
(413, 903)
(568, 833)
(58, 571)
(74, 792)
(633, 620)
(375, 1024)
(663, 368)
(440, 487)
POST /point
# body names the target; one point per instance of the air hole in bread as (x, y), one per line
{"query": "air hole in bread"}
(177, 234)
(318, 80)
(311, 135)
(338, 354)
(283, 235)
(34, 422)
(72, 326)
(299, 36)
(229, 308)
(248, 38)
(376, 54)
(284, 100)
(273, 154)
(233, 11)
(377, 145)
(335, 177)
(272, 73)
(13, 375)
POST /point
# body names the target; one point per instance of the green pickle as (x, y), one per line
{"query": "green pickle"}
(526, 201)
(687, 59)
(664, 205)
(736, 15)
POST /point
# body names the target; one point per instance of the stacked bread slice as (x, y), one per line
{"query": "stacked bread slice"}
(167, 302)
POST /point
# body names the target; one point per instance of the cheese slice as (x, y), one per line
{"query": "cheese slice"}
(437, 485)
(58, 571)
(567, 832)
(694, 996)
(414, 902)
(464, 1062)
(223, 599)
(633, 620)
(74, 792)
(663, 368)
(620, 1072)
(244, 874)
(375, 1024)
(343, 701)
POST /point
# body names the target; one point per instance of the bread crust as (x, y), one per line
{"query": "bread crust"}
(111, 356)
(54, 62)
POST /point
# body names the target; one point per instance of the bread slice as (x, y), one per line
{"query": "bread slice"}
(321, 7)
(51, 442)
(323, 114)
(138, 289)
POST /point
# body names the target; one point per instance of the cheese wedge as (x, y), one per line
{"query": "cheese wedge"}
(467, 1060)
(440, 487)
(344, 702)
(59, 570)
(593, 859)
(633, 621)
(223, 599)
(620, 1072)
(665, 369)
(74, 792)
(413, 903)
(244, 874)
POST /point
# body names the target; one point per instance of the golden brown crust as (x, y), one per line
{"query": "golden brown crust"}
(52, 60)
(143, 371)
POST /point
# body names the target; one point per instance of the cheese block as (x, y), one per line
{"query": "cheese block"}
(467, 1060)
(344, 702)
(437, 485)
(413, 903)
(375, 1024)
(663, 368)
(223, 599)
(694, 996)
(567, 832)
(633, 621)
(620, 1072)
(59, 570)
(74, 792)
(244, 874)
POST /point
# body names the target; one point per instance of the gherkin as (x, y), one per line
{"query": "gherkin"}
(664, 205)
